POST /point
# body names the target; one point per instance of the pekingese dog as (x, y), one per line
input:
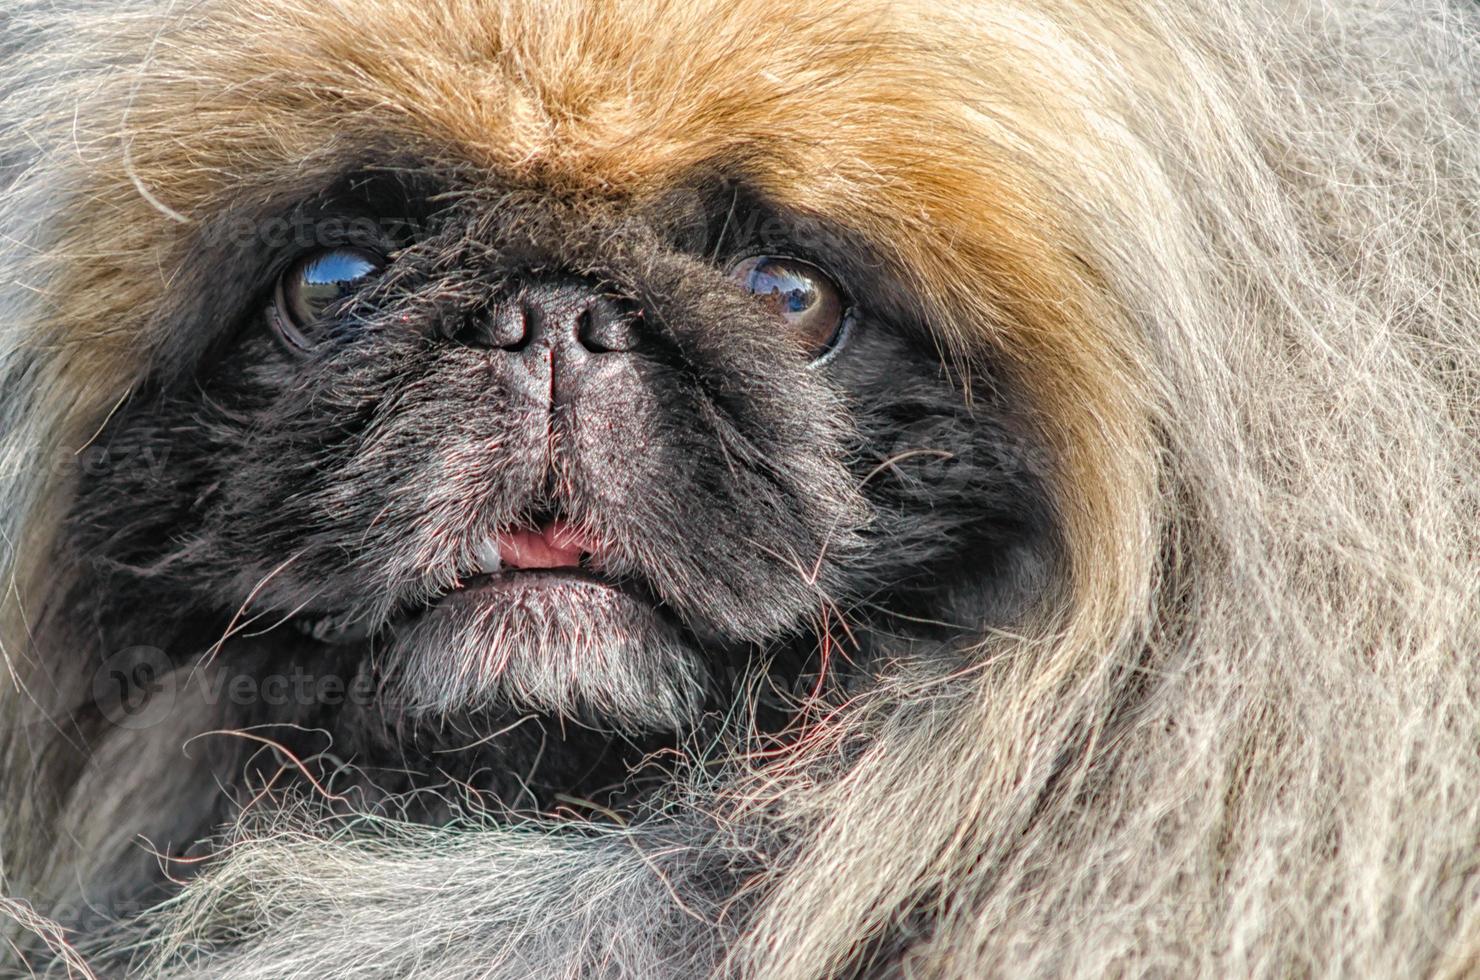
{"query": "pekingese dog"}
(506, 488)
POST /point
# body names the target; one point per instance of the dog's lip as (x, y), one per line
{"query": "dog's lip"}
(526, 578)
(504, 585)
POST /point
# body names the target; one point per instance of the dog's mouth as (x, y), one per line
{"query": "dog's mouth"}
(538, 553)
(551, 544)
(536, 620)
(546, 554)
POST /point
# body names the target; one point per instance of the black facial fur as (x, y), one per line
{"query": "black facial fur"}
(746, 502)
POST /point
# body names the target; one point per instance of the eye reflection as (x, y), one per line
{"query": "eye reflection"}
(314, 283)
(803, 296)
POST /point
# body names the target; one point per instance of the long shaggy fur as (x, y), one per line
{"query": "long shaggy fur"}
(1232, 250)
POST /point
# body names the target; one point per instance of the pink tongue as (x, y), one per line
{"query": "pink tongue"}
(555, 545)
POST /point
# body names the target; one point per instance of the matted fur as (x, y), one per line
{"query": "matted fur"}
(1232, 251)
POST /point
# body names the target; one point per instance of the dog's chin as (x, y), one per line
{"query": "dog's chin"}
(558, 642)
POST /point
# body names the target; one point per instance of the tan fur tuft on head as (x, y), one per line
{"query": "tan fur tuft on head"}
(1230, 251)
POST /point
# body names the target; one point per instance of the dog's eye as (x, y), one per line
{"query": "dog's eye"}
(802, 295)
(315, 282)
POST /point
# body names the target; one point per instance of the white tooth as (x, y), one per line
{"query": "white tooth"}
(485, 554)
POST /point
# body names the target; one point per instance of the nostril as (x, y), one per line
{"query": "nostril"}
(506, 327)
(509, 327)
(604, 328)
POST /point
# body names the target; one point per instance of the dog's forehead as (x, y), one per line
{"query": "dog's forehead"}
(605, 97)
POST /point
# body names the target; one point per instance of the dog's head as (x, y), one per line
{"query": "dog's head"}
(603, 393)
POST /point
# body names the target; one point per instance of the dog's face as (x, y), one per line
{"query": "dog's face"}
(541, 424)
(581, 457)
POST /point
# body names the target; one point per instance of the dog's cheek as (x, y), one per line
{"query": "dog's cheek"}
(443, 458)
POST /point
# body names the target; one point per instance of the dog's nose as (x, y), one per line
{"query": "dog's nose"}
(572, 317)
